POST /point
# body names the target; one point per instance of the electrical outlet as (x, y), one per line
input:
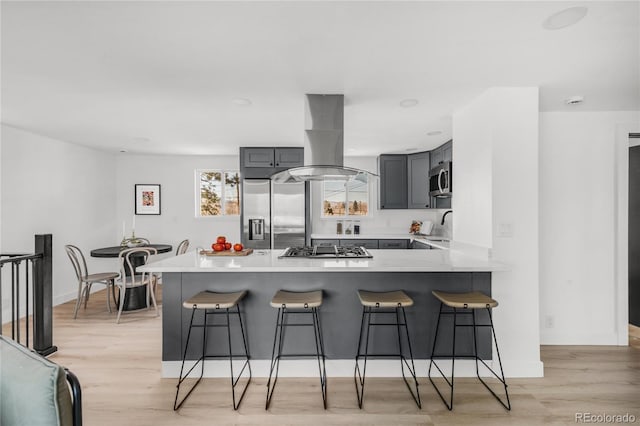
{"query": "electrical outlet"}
(505, 230)
(549, 321)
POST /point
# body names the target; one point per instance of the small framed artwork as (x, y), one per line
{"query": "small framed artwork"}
(147, 199)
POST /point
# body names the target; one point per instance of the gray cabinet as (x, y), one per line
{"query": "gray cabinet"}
(442, 153)
(325, 243)
(289, 157)
(419, 246)
(393, 244)
(438, 156)
(447, 151)
(258, 157)
(418, 180)
(404, 181)
(261, 163)
(393, 181)
(364, 242)
(369, 244)
(285, 158)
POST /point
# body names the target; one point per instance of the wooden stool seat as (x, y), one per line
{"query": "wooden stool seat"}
(211, 300)
(296, 300)
(471, 300)
(388, 299)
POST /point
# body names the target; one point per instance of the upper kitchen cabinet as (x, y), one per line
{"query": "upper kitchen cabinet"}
(393, 181)
(441, 154)
(404, 181)
(289, 157)
(259, 162)
(258, 157)
(418, 175)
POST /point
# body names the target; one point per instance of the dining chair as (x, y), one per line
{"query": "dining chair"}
(129, 278)
(86, 280)
(182, 247)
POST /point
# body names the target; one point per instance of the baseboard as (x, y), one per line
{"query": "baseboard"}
(345, 367)
(562, 338)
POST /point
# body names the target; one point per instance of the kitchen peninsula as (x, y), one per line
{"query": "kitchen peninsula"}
(262, 273)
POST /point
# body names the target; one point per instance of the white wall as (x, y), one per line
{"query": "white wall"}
(578, 227)
(177, 221)
(49, 186)
(378, 221)
(496, 205)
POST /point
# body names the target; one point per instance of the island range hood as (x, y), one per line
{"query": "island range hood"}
(324, 144)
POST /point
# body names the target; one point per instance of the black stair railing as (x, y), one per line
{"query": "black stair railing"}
(31, 295)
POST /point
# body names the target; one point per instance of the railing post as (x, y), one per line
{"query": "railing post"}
(43, 296)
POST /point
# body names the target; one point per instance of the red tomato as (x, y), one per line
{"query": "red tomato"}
(221, 240)
(218, 247)
(227, 246)
(237, 247)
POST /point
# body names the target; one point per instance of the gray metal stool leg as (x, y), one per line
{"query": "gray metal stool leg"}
(359, 376)
(230, 355)
(277, 353)
(455, 312)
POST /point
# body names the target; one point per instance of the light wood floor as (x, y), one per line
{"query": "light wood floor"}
(119, 368)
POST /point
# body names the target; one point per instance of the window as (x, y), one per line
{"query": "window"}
(342, 198)
(218, 193)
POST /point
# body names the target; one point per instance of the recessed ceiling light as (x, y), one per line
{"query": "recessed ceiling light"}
(574, 100)
(434, 133)
(408, 103)
(411, 149)
(242, 101)
(565, 18)
(123, 150)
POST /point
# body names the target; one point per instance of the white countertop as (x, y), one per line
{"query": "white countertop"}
(382, 261)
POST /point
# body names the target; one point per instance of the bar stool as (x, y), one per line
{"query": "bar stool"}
(297, 303)
(392, 302)
(466, 303)
(214, 304)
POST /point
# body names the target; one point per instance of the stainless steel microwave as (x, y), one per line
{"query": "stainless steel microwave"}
(440, 180)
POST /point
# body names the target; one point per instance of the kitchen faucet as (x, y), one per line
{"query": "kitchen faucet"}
(445, 215)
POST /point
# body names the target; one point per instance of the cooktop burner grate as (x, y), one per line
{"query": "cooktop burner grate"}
(327, 251)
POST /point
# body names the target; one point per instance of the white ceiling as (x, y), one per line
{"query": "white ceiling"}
(161, 77)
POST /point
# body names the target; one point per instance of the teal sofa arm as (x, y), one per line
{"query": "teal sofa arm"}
(34, 391)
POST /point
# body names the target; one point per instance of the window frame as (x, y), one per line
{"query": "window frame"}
(346, 209)
(223, 195)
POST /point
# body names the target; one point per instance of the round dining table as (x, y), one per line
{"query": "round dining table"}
(135, 297)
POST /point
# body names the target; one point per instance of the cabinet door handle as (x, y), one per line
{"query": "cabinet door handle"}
(277, 164)
(271, 164)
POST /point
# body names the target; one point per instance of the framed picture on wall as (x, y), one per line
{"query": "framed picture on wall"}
(147, 199)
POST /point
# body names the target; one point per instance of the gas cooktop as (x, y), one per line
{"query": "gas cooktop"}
(326, 251)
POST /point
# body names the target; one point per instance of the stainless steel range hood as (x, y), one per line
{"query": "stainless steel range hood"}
(324, 144)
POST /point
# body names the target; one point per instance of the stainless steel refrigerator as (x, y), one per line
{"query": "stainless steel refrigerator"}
(273, 214)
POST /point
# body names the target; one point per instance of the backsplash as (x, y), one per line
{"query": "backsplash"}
(387, 222)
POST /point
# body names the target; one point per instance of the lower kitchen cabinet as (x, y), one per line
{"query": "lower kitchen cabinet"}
(365, 242)
(393, 244)
(368, 244)
(325, 243)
